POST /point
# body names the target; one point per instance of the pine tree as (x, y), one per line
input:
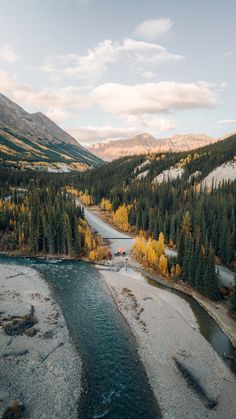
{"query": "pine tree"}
(233, 298)
(199, 275)
(211, 286)
(181, 248)
(68, 236)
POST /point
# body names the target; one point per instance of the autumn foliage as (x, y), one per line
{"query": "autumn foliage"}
(86, 199)
(93, 245)
(106, 205)
(121, 218)
(151, 253)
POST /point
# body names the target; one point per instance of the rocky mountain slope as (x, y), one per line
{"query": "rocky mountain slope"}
(145, 143)
(35, 138)
(206, 166)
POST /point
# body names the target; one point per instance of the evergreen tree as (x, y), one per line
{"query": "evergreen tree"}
(211, 286)
(233, 298)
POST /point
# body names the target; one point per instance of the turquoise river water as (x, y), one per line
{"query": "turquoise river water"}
(115, 384)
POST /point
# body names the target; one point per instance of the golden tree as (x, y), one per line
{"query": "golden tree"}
(120, 218)
(163, 266)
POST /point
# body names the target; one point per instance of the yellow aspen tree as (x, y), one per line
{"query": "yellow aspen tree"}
(86, 199)
(120, 218)
(150, 256)
(92, 255)
(163, 267)
(106, 205)
(177, 270)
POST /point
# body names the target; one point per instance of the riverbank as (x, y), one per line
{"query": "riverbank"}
(39, 366)
(217, 310)
(187, 376)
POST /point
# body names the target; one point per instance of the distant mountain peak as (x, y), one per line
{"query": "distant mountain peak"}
(145, 143)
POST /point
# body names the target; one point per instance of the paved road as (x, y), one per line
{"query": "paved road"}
(107, 231)
(122, 240)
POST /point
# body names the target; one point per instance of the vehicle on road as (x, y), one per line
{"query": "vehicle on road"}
(120, 252)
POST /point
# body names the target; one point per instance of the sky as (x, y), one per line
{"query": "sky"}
(109, 69)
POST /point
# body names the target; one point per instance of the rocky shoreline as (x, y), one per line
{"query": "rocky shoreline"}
(39, 367)
(187, 376)
(216, 310)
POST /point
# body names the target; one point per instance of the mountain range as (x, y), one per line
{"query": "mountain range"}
(145, 144)
(32, 139)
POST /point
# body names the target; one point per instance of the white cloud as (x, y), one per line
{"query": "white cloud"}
(148, 53)
(151, 98)
(227, 54)
(134, 125)
(148, 75)
(151, 122)
(87, 66)
(56, 102)
(58, 115)
(97, 60)
(91, 134)
(152, 29)
(8, 54)
(227, 122)
(138, 106)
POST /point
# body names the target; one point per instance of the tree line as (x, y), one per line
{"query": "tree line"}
(40, 220)
(139, 204)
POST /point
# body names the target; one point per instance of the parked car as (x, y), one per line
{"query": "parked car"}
(120, 252)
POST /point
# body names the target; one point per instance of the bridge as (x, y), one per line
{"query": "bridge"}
(118, 238)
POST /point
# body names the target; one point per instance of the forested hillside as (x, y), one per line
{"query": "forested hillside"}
(197, 220)
(39, 217)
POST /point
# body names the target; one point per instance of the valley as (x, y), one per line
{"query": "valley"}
(117, 209)
(144, 311)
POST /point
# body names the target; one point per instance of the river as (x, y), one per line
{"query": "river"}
(114, 380)
(209, 328)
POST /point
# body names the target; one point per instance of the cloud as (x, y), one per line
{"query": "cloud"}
(92, 65)
(91, 134)
(88, 66)
(151, 98)
(56, 102)
(58, 115)
(146, 52)
(135, 125)
(138, 106)
(227, 54)
(8, 54)
(148, 75)
(152, 29)
(227, 122)
(151, 122)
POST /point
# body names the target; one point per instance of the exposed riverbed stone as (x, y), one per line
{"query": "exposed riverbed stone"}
(40, 371)
(188, 378)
